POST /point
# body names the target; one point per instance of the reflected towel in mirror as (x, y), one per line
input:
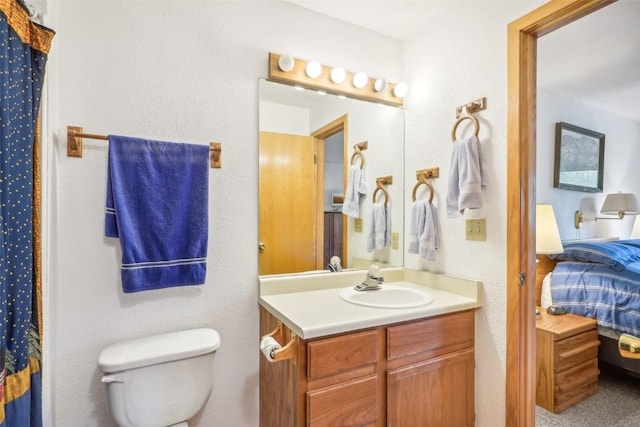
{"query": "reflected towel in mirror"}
(356, 188)
(424, 231)
(380, 232)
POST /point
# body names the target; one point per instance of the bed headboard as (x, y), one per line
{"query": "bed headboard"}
(543, 266)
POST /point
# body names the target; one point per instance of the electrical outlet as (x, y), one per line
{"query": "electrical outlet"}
(357, 225)
(476, 229)
(395, 237)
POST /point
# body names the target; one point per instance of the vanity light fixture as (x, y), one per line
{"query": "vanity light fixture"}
(619, 204)
(313, 69)
(335, 80)
(360, 80)
(338, 74)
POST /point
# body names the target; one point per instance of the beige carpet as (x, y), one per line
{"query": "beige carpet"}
(617, 404)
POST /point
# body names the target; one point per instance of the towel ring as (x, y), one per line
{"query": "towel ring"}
(476, 124)
(415, 189)
(353, 158)
(386, 195)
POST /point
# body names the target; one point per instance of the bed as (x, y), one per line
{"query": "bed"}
(600, 280)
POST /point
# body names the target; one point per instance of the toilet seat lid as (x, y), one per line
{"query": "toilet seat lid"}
(156, 349)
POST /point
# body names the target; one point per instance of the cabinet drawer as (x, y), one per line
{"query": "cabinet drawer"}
(332, 355)
(576, 384)
(436, 336)
(575, 350)
(350, 404)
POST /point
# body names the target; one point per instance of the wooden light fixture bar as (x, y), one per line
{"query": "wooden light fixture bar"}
(298, 77)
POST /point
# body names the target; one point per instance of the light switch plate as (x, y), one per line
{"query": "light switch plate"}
(476, 229)
(395, 237)
(357, 225)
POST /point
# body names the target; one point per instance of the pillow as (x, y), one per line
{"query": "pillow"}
(545, 293)
(614, 254)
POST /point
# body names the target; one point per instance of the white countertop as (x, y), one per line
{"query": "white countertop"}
(311, 307)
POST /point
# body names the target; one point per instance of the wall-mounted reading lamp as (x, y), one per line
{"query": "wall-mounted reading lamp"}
(619, 204)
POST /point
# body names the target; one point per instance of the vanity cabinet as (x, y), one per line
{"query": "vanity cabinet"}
(417, 373)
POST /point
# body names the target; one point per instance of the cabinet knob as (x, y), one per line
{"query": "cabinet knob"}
(261, 246)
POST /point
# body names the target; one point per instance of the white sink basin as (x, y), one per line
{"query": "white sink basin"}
(392, 295)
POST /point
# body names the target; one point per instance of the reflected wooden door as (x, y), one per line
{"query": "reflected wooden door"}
(287, 204)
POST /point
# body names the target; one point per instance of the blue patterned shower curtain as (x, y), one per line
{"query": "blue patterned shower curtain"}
(23, 53)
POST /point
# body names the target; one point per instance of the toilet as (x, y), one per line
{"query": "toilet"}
(161, 380)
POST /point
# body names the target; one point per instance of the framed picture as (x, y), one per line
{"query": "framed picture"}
(579, 159)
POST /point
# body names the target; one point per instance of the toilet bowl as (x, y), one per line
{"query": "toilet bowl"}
(161, 380)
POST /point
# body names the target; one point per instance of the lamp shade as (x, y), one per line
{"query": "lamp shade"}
(635, 231)
(547, 235)
(620, 204)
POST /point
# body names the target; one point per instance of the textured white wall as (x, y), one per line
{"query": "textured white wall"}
(177, 70)
(189, 71)
(458, 57)
(621, 173)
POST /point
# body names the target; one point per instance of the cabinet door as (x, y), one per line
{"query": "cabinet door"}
(435, 393)
(353, 403)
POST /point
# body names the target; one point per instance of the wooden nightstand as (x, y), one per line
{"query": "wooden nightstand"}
(566, 360)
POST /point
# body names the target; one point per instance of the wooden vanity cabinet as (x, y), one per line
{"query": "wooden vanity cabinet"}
(418, 373)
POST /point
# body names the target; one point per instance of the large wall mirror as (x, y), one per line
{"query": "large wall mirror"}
(307, 144)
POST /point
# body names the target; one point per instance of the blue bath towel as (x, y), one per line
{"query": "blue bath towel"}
(157, 204)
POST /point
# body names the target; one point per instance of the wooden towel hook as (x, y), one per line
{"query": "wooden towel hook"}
(422, 179)
(362, 160)
(380, 183)
(460, 119)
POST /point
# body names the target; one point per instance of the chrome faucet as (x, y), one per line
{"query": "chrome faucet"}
(373, 281)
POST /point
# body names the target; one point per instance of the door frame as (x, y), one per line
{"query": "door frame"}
(521, 170)
(331, 128)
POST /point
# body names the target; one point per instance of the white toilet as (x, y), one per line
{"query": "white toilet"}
(161, 380)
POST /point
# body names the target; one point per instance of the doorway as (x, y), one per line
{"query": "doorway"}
(335, 225)
(521, 170)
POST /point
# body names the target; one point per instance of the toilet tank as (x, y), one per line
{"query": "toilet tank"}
(159, 380)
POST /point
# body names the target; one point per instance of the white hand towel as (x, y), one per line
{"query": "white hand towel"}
(457, 151)
(429, 240)
(466, 177)
(380, 232)
(416, 229)
(356, 186)
(471, 177)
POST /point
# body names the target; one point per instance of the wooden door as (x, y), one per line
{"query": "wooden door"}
(434, 393)
(287, 204)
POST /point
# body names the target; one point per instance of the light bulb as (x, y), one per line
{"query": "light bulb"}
(380, 85)
(360, 80)
(313, 69)
(286, 63)
(400, 90)
(338, 74)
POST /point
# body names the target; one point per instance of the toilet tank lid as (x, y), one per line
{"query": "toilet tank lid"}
(156, 349)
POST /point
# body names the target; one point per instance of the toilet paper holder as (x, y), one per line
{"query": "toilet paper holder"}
(287, 351)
